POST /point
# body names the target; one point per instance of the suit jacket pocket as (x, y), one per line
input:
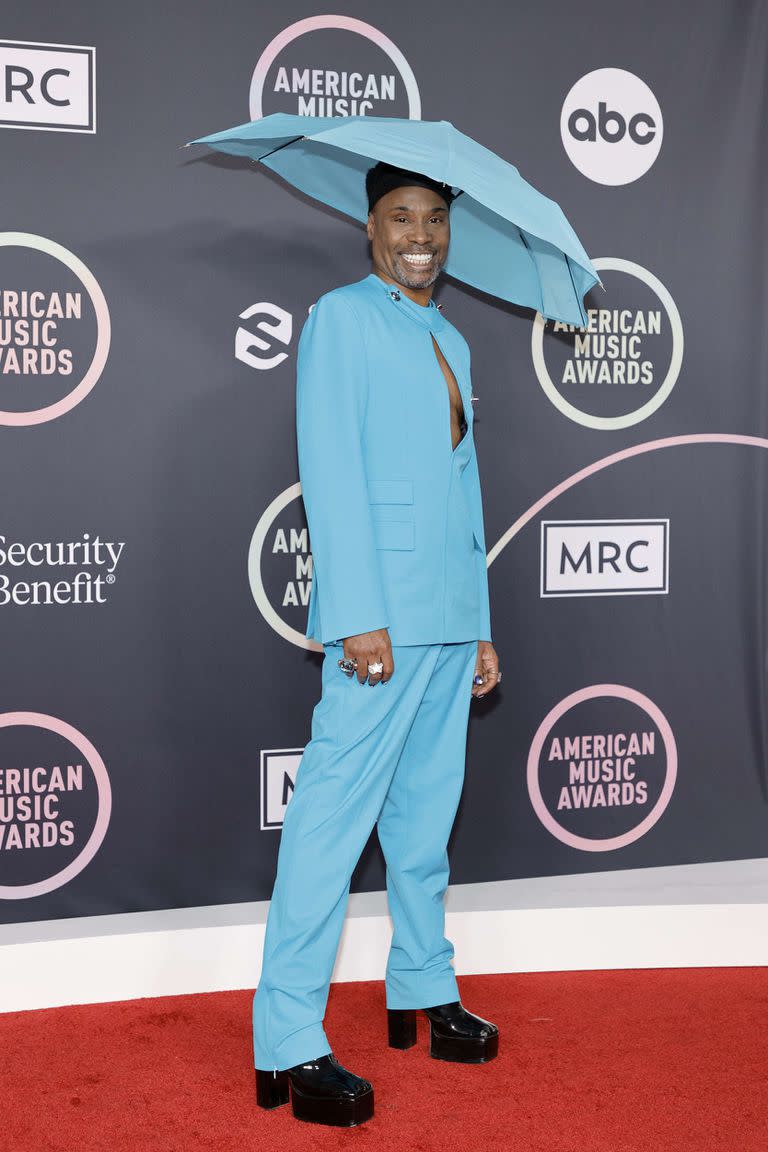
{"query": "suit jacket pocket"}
(390, 491)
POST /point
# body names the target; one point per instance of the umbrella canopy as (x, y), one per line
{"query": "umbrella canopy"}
(506, 237)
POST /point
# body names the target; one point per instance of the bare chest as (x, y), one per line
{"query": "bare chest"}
(454, 396)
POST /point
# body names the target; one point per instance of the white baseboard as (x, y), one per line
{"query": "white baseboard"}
(126, 965)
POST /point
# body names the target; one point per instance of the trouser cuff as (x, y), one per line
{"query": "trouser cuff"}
(306, 1044)
(421, 990)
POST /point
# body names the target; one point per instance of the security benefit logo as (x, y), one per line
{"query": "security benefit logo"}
(55, 803)
(622, 365)
(54, 329)
(604, 557)
(602, 768)
(40, 572)
(333, 66)
(278, 778)
(263, 320)
(611, 126)
(47, 86)
(280, 567)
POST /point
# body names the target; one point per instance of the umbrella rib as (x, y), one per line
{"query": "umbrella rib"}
(292, 140)
(529, 250)
(576, 294)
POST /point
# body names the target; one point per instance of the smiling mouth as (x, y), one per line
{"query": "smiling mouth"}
(418, 259)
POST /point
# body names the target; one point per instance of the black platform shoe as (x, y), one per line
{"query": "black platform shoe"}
(321, 1091)
(454, 1033)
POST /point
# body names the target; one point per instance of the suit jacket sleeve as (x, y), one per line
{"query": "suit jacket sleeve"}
(479, 526)
(477, 513)
(331, 396)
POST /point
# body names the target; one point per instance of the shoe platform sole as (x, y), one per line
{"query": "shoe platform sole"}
(337, 1113)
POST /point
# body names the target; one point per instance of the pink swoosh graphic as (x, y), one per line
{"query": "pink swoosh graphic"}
(616, 458)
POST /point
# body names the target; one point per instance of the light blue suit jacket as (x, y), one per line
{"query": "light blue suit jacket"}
(394, 513)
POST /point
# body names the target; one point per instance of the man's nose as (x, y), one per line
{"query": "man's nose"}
(419, 234)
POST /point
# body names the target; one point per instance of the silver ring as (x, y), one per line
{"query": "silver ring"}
(377, 667)
(346, 665)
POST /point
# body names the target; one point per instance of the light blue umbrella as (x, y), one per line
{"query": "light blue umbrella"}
(506, 238)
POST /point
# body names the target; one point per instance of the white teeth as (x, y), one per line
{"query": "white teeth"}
(417, 258)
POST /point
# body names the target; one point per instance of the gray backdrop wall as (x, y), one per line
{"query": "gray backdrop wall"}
(155, 689)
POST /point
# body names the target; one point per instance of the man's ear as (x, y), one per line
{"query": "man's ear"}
(369, 226)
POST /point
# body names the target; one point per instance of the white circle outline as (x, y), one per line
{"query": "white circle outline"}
(255, 552)
(103, 329)
(615, 264)
(342, 23)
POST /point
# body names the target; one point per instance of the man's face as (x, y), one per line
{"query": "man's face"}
(409, 229)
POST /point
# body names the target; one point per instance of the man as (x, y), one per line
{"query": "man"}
(399, 600)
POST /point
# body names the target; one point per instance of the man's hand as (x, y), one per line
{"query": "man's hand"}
(371, 648)
(487, 666)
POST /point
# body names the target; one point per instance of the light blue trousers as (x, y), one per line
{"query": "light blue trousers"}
(393, 756)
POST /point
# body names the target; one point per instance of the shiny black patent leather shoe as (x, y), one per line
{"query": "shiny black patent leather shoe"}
(321, 1091)
(454, 1033)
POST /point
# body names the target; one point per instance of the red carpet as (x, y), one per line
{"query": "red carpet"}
(639, 1061)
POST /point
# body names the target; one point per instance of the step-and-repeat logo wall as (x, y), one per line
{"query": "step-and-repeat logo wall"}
(150, 308)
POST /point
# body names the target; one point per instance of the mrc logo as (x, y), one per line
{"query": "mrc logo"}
(604, 557)
(278, 778)
(47, 86)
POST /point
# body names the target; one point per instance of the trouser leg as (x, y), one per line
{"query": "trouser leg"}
(414, 826)
(358, 732)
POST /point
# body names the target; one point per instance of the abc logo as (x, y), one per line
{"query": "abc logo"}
(611, 126)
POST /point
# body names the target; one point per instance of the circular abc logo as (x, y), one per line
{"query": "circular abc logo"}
(334, 66)
(611, 126)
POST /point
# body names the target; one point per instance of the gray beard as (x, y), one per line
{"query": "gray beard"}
(406, 277)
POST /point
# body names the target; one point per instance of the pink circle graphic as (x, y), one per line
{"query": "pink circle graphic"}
(621, 692)
(89, 850)
(103, 328)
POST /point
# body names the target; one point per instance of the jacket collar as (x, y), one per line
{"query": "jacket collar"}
(429, 316)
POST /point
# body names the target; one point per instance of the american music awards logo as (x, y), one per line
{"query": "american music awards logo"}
(55, 803)
(602, 767)
(334, 66)
(280, 567)
(54, 329)
(622, 366)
